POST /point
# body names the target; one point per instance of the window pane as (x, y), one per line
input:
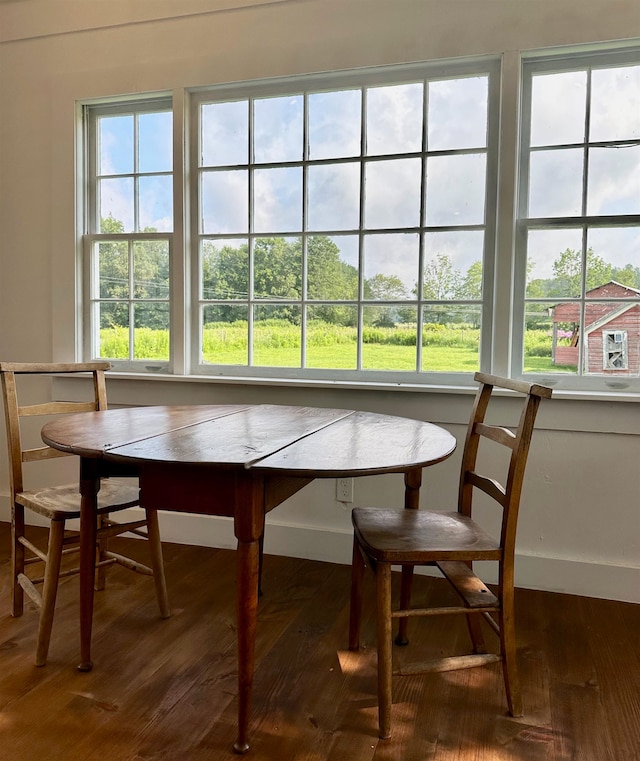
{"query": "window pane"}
(155, 142)
(614, 180)
(277, 268)
(225, 133)
(554, 263)
(151, 269)
(155, 204)
(615, 104)
(116, 201)
(451, 338)
(555, 183)
(551, 337)
(394, 119)
(115, 154)
(277, 200)
(456, 189)
(278, 126)
(225, 202)
(332, 337)
(392, 195)
(453, 265)
(617, 248)
(558, 107)
(389, 338)
(457, 116)
(390, 267)
(276, 336)
(334, 124)
(113, 270)
(224, 269)
(151, 331)
(225, 338)
(611, 338)
(332, 267)
(114, 330)
(333, 197)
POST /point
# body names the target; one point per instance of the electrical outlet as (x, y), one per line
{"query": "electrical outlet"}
(344, 489)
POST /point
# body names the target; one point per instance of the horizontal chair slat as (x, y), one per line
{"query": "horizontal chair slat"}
(489, 486)
(497, 433)
(41, 453)
(52, 367)
(522, 387)
(56, 408)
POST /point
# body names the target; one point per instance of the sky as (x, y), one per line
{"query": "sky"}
(455, 188)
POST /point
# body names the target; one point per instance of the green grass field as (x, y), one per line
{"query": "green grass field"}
(277, 344)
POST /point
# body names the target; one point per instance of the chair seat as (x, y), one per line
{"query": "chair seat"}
(421, 536)
(63, 502)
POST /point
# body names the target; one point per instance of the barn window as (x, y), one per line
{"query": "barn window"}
(615, 349)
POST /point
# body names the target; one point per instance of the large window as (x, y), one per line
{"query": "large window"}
(345, 227)
(342, 228)
(129, 222)
(580, 220)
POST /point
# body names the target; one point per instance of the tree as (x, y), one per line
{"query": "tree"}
(567, 269)
(471, 286)
(441, 279)
(278, 275)
(150, 278)
(382, 287)
(627, 275)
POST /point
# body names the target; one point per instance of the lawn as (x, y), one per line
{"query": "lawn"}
(445, 348)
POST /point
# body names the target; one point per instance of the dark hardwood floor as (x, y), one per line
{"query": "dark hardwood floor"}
(166, 690)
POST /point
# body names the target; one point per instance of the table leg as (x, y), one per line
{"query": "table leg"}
(249, 527)
(412, 483)
(89, 486)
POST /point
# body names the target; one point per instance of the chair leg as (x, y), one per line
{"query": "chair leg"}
(355, 609)
(402, 637)
(509, 660)
(476, 635)
(101, 554)
(50, 589)
(17, 560)
(384, 634)
(157, 563)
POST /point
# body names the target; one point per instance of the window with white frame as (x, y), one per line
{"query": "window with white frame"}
(342, 227)
(128, 243)
(579, 218)
(342, 224)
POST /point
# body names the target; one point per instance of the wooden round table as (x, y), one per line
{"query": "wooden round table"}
(234, 460)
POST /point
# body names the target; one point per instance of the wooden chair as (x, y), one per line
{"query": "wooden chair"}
(451, 541)
(59, 504)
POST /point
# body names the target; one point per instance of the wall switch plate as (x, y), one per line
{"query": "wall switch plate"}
(344, 489)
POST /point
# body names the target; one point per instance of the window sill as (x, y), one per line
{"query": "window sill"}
(360, 385)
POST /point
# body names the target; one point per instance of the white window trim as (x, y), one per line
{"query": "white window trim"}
(553, 61)
(508, 269)
(490, 66)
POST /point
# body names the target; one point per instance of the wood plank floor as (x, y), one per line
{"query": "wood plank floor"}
(166, 690)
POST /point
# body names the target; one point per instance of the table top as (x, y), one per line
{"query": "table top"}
(269, 438)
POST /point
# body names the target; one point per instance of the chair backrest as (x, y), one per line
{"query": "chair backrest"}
(14, 411)
(507, 494)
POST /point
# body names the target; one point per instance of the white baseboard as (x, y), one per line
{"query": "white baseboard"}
(567, 575)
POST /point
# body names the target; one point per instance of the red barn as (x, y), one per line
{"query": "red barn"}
(611, 342)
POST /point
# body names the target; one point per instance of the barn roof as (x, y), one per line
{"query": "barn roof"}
(569, 311)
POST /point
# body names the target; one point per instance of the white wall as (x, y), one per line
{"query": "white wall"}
(580, 528)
